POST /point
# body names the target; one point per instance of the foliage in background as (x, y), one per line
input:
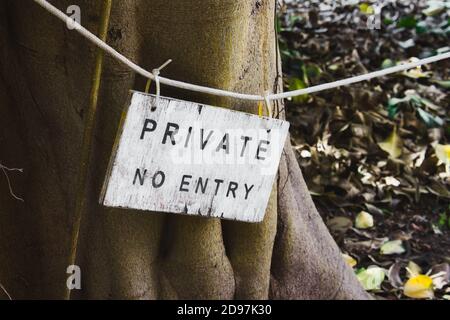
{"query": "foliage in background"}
(379, 148)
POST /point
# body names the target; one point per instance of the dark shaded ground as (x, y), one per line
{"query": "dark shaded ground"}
(338, 132)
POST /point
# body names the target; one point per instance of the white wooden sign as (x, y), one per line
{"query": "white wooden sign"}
(184, 157)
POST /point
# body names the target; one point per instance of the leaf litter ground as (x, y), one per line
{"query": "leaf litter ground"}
(379, 147)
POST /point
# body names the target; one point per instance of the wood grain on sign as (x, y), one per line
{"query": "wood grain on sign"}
(184, 157)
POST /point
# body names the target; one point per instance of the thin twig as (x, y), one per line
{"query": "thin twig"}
(5, 291)
(89, 128)
(4, 169)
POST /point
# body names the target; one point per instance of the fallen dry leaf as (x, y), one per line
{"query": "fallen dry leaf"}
(371, 278)
(392, 247)
(392, 145)
(349, 260)
(364, 220)
(419, 287)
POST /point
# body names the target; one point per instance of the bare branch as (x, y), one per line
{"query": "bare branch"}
(5, 291)
(5, 169)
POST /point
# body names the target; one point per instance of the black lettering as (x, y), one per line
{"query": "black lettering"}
(201, 186)
(146, 128)
(232, 186)
(138, 175)
(188, 137)
(170, 133)
(204, 142)
(246, 139)
(161, 182)
(225, 144)
(260, 148)
(247, 190)
(185, 183)
(218, 183)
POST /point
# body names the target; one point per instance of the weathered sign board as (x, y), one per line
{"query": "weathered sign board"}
(184, 157)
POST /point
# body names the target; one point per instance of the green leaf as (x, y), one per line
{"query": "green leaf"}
(297, 84)
(407, 22)
(443, 83)
(387, 63)
(393, 105)
(425, 102)
(388, 21)
(430, 120)
(417, 102)
(312, 70)
(371, 278)
(443, 220)
(422, 27)
(278, 25)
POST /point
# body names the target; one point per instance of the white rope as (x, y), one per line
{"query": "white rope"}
(268, 105)
(155, 73)
(218, 92)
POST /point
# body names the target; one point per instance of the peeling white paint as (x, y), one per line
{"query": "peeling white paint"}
(194, 159)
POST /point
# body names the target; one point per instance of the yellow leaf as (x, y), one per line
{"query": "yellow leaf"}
(443, 153)
(349, 260)
(364, 220)
(413, 269)
(366, 9)
(417, 73)
(419, 287)
(392, 145)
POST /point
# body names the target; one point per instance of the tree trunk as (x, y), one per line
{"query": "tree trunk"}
(45, 77)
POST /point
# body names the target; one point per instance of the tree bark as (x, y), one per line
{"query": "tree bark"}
(45, 73)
